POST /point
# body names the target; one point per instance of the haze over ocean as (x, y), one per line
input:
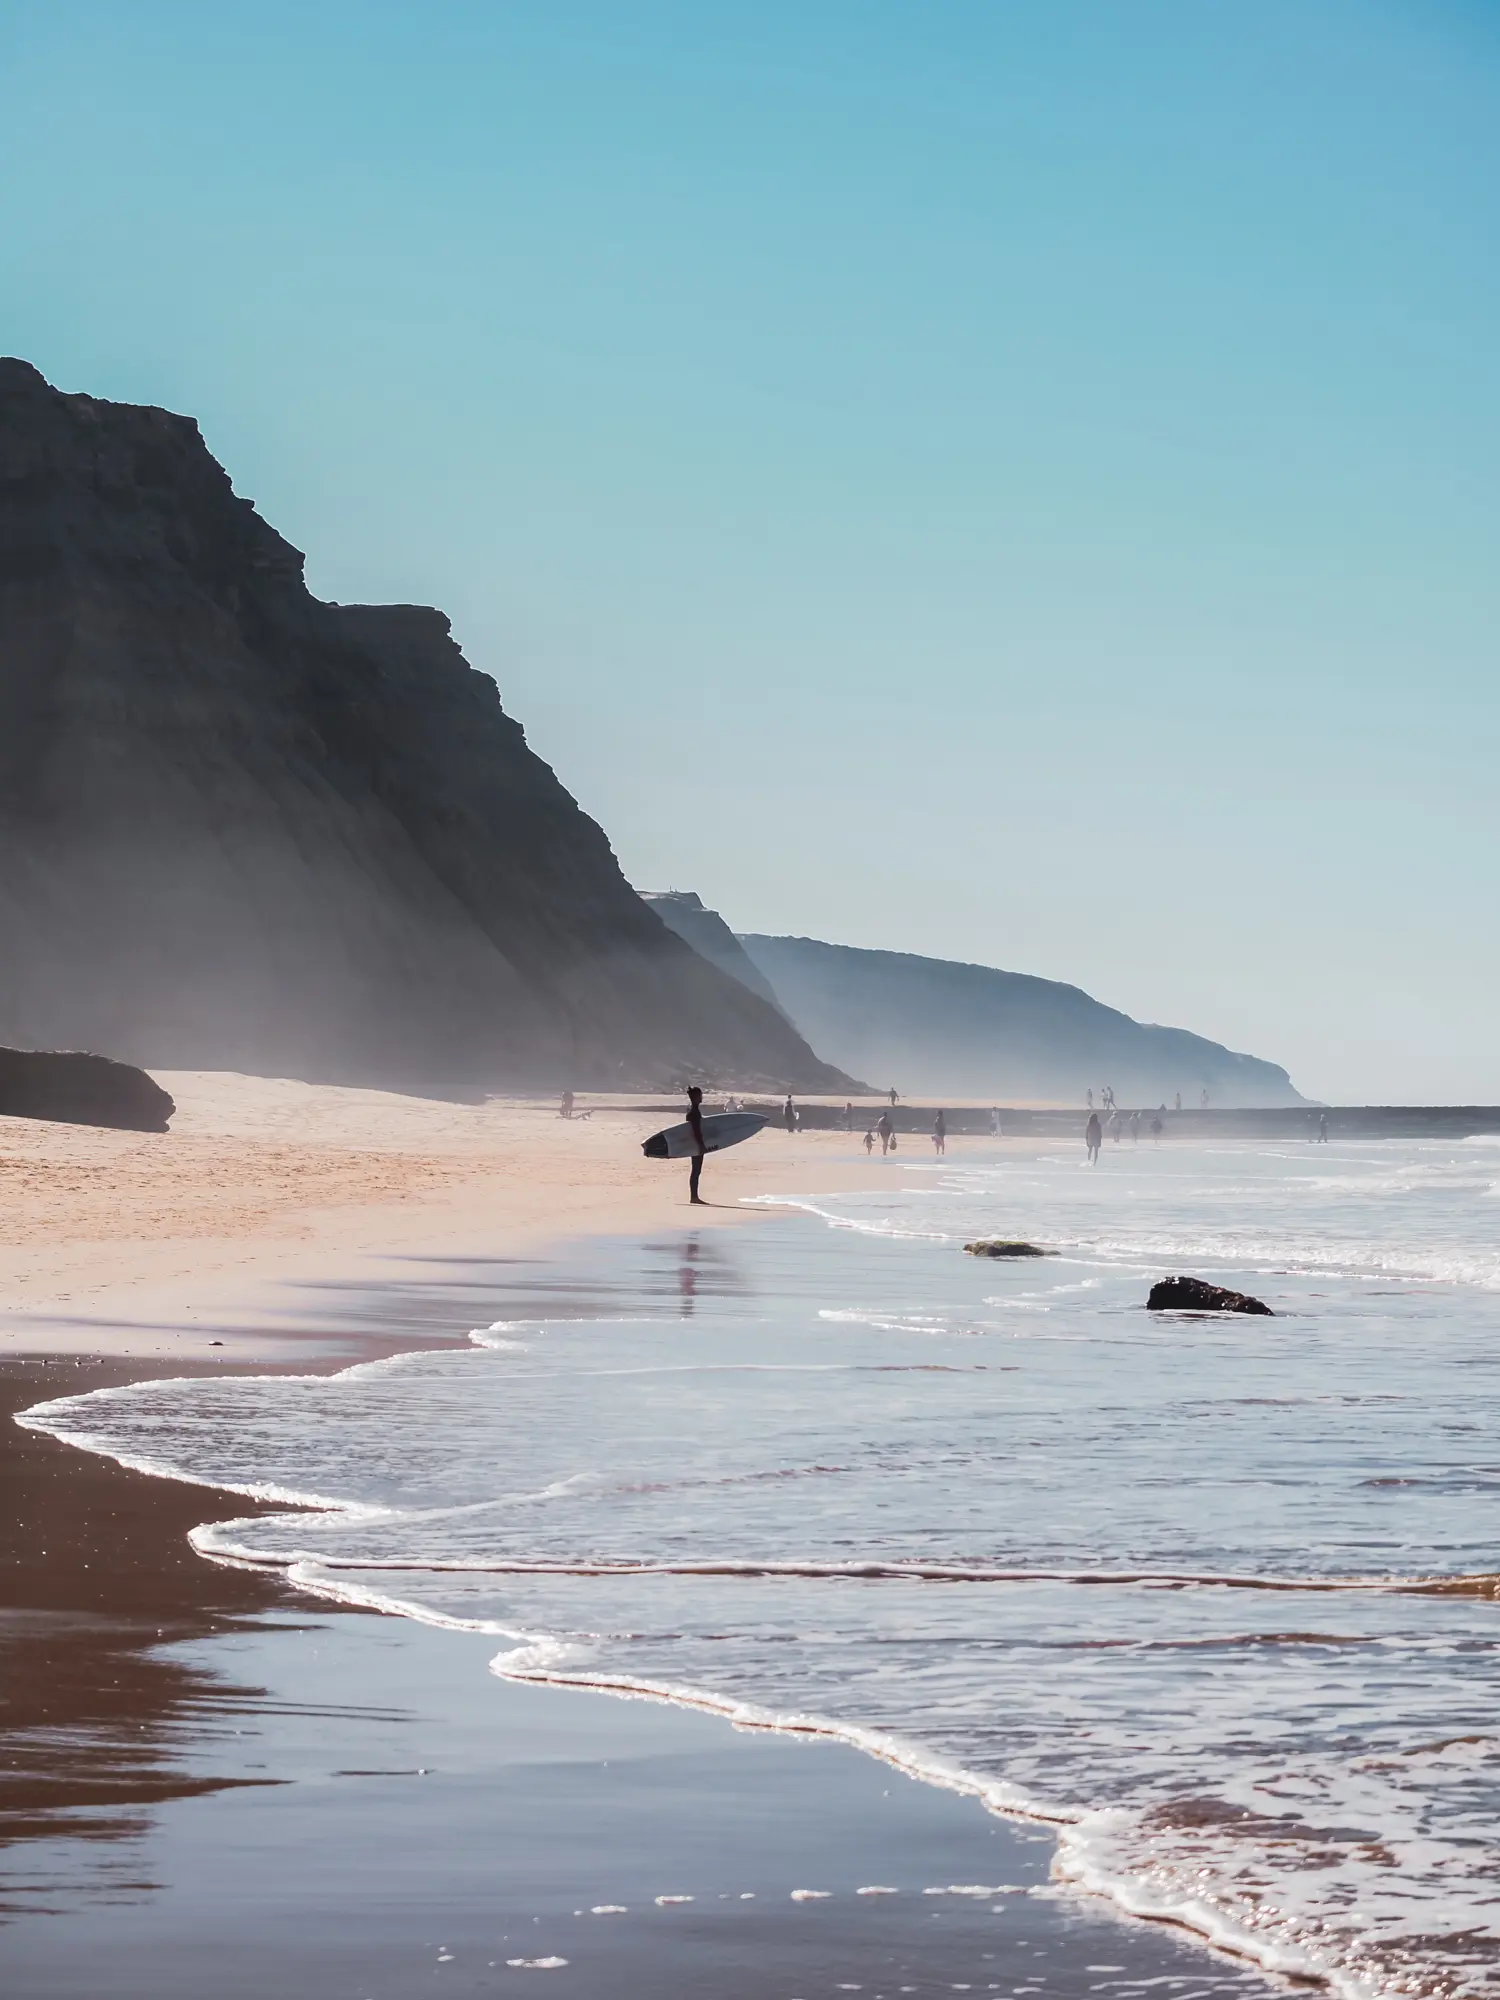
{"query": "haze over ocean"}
(1037, 463)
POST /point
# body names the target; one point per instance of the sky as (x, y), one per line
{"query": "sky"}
(1016, 481)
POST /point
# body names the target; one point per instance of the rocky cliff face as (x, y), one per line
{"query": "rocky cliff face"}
(706, 931)
(242, 828)
(934, 1027)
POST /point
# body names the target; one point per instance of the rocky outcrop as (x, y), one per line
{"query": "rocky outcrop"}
(936, 1028)
(706, 931)
(242, 828)
(78, 1089)
(1194, 1295)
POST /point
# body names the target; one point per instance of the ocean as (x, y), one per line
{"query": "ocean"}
(1213, 1597)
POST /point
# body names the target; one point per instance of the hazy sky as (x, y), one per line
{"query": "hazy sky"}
(1017, 480)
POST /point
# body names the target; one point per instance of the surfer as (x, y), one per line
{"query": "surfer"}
(695, 1125)
(1092, 1134)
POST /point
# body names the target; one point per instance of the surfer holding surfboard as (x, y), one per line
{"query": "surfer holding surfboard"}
(698, 1135)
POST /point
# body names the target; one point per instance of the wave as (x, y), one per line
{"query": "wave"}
(1213, 1601)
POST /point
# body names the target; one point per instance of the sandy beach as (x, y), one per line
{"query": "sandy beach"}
(147, 1244)
(190, 1747)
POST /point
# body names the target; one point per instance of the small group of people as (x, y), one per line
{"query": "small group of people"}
(1093, 1132)
(883, 1129)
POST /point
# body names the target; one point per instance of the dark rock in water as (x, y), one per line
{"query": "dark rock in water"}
(998, 1247)
(78, 1089)
(245, 829)
(1193, 1295)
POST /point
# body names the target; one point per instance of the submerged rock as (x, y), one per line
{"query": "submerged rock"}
(1194, 1295)
(998, 1246)
(77, 1089)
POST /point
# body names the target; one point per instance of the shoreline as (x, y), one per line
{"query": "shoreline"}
(219, 1232)
(114, 1622)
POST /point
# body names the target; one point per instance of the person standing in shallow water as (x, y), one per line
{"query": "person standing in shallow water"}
(1092, 1135)
(695, 1125)
(940, 1134)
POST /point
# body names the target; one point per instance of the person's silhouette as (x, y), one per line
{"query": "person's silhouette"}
(695, 1123)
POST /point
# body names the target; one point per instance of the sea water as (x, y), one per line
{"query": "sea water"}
(1216, 1596)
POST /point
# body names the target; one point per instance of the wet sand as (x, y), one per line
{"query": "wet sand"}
(213, 1786)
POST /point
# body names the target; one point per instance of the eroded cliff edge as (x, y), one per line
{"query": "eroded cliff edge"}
(241, 828)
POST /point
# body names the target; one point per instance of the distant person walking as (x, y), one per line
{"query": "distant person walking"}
(1156, 1129)
(893, 1097)
(1323, 1129)
(695, 1126)
(995, 1122)
(887, 1132)
(1089, 1094)
(848, 1117)
(1135, 1128)
(940, 1134)
(789, 1114)
(1203, 1098)
(565, 1109)
(1092, 1137)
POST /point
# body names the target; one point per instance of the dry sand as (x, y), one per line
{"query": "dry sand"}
(126, 1243)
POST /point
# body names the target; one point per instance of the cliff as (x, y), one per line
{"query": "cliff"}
(936, 1028)
(241, 828)
(708, 934)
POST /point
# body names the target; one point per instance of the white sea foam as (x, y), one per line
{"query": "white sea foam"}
(1215, 1598)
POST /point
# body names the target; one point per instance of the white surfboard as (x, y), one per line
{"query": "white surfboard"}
(720, 1129)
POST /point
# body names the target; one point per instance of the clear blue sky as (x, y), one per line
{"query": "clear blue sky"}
(1016, 481)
